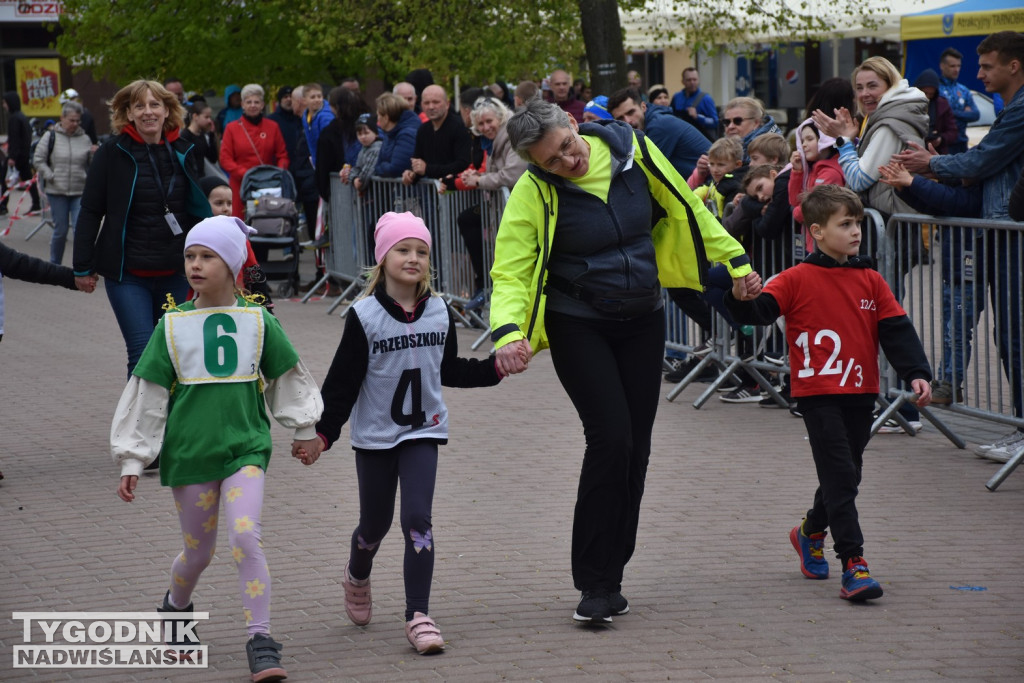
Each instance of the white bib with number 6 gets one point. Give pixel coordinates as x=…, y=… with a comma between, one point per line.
x=222, y=344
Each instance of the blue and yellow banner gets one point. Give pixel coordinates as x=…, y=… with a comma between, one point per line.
x=961, y=24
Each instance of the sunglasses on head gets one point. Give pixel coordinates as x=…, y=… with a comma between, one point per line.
x=739, y=120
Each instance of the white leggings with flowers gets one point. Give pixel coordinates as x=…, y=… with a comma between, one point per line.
x=198, y=505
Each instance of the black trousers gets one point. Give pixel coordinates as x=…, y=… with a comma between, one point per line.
x=838, y=435
x=471, y=228
x=611, y=370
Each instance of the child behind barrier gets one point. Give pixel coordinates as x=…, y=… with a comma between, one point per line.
x=714, y=181
x=838, y=309
x=814, y=163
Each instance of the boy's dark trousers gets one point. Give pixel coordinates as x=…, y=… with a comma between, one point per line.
x=838, y=435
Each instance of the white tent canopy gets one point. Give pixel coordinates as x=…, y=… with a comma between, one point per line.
x=642, y=27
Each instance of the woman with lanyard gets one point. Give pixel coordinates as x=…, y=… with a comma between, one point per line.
x=143, y=190
x=251, y=141
x=579, y=267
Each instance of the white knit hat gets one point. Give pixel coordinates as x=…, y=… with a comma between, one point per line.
x=225, y=235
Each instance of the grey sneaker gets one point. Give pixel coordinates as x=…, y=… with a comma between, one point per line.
x=1004, y=454
x=1012, y=439
x=943, y=395
x=264, y=655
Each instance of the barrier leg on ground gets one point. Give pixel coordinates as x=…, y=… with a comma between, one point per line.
x=315, y=288
x=1004, y=471
x=891, y=410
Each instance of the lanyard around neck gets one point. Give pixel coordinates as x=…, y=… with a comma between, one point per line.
x=159, y=179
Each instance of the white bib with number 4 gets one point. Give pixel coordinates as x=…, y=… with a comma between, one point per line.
x=222, y=344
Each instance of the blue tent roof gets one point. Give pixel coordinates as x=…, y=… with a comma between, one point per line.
x=971, y=6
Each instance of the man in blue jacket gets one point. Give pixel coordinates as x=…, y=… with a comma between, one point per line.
x=997, y=162
x=959, y=96
x=679, y=141
x=695, y=106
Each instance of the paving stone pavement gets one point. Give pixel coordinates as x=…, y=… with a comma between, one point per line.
x=714, y=587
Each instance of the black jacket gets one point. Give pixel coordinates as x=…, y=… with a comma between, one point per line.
x=111, y=196
x=446, y=150
x=330, y=156
x=19, y=132
x=1016, y=207
x=19, y=266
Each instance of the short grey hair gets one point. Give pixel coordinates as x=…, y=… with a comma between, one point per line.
x=491, y=104
x=71, y=107
x=253, y=89
x=533, y=121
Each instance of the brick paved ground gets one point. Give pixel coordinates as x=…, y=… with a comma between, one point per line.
x=714, y=587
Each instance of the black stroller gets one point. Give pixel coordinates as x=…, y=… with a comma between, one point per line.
x=269, y=196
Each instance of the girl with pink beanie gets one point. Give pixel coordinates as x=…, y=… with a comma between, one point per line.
x=398, y=348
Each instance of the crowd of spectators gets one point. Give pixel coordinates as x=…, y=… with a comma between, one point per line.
x=874, y=133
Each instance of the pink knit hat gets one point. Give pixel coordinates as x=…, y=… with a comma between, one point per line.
x=393, y=227
x=226, y=235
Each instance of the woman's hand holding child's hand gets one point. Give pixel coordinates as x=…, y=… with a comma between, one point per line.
x=747, y=287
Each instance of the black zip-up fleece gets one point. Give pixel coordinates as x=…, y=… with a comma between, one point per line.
x=605, y=248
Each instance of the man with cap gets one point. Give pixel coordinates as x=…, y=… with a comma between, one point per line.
x=682, y=143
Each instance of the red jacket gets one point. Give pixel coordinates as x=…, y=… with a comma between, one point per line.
x=823, y=172
x=247, y=145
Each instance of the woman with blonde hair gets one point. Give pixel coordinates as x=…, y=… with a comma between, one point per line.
x=143, y=189
x=895, y=114
x=502, y=168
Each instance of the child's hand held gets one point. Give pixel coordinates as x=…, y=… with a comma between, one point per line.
x=126, y=489
x=923, y=389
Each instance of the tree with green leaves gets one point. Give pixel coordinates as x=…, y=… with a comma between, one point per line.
x=206, y=44
x=211, y=44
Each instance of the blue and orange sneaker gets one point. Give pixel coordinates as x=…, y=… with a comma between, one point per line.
x=812, y=552
x=857, y=582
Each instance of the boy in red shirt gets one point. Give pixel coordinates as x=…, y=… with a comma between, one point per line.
x=837, y=311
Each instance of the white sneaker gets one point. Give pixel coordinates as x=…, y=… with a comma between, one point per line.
x=1007, y=441
x=891, y=426
x=1005, y=454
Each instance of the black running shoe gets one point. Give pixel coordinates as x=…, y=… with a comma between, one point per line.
x=594, y=608
x=617, y=603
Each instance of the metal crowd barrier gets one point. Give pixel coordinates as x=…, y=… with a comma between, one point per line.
x=351, y=220
x=959, y=280
x=769, y=258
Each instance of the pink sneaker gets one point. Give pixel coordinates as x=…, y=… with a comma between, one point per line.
x=358, y=603
x=423, y=634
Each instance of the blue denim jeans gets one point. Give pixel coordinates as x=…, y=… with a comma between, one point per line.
x=962, y=305
x=138, y=304
x=64, y=211
x=1006, y=254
